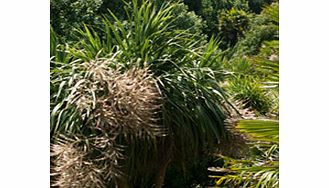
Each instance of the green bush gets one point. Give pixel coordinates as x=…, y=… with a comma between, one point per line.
x=250, y=93
x=264, y=27
x=232, y=24
x=187, y=20
x=68, y=14
x=209, y=10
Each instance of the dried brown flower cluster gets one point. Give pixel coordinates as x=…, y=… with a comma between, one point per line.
x=84, y=162
x=127, y=102
x=115, y=102
x=133, y=103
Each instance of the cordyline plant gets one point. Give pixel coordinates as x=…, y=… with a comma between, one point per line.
x=133, y=96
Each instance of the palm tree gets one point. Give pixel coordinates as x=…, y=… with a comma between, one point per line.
x=134, y=96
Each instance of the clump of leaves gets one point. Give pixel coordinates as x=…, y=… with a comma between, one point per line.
x=211, y=9
x=232, y=24
x=184, y=19
x=250, y=94
x=263, y=27
x=68, y=14
x=261, y=168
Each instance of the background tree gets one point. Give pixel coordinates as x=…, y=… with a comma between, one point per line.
x=232, y=24
x=66, y=15
x=264, y=27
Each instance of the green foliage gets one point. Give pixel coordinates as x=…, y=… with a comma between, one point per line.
x=241, y=67
x=232, y=24
x=271, y=12
x=269, y=48
x=116, y=6
x=260, y=130
x=186, y=20
x=250, y=93
x=253, y=76
x=253, y=82
x=98, y=46
x=212, y=9
x=68, y=14
x=53, y=42
x=261, y=169
x=264, y=27
x=187, y=73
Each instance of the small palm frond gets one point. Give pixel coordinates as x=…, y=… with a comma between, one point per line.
x=261, y=170
x=262, y=130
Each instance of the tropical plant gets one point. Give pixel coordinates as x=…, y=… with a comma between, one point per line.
x=232, y=24
x=254, y=79
x=261, y=170
x=142, y=85
x=248, y=91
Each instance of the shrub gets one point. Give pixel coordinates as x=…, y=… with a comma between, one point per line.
x=68, y=14
x=232, y=24
x=250, y=93
x=264, y=27
x=99, y=92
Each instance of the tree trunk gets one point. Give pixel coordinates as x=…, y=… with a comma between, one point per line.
x=122, y=183
x=165, y=157
x=159, y=181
